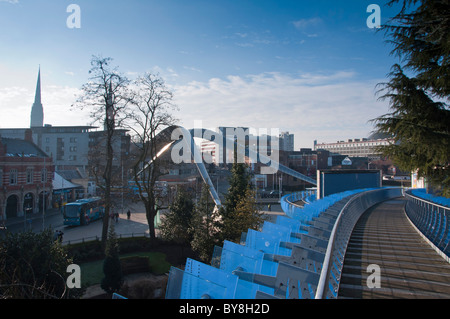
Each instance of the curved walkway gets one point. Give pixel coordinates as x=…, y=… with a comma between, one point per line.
x=409, y=267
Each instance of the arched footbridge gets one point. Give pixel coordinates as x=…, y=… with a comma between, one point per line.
x=181, y=143
x=369, y=243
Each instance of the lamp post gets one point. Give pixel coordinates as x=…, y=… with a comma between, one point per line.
x=24, y=210
x=281, y=186
x=43, y=196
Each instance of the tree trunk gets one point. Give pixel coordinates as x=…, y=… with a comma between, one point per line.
x=150, y=212
x=107, y=177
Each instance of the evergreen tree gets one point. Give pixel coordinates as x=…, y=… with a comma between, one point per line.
x=421, y=38
x=240, y=211
x=420, y=117
x=245, y=216
x=239, y=182
x=204, y=230
x=33, y=266
x=176, y=223
x=112, y=269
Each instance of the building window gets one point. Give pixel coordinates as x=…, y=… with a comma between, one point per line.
x=30, y=173
x=13, y=177
x=1, y=177
x=44, y=175
x=73, y=148
x=73, y=140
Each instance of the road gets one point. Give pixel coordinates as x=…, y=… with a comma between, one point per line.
x=136, y=226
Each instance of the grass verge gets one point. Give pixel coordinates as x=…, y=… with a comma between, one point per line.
x=92, y=272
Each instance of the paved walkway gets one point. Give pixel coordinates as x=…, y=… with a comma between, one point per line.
x=136, y=226
x=409, y=267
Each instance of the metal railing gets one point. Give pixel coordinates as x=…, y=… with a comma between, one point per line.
x=432, y=220
x=290, y=200
x=328, y=285
x=97, y=238
x=297, y=256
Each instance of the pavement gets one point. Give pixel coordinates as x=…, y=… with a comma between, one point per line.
x=21, y=221
x=135, y=226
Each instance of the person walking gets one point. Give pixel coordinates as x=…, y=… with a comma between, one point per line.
x=128, y=214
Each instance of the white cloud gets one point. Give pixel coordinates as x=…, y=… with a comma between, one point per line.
x=191, y=68
x=312, y=106
x=12, y=106
x=304, y=23
x=16, y=103
x=326, y=107
x=57, y=103
x=10, y=1
x=241, y=35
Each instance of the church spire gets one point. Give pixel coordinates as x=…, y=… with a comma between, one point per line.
x=37, y=110
x=37, y=97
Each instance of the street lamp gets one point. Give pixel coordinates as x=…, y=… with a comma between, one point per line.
x=43, y=196
x=281, y=186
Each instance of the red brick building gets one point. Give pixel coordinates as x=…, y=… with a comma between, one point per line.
x=26, y=175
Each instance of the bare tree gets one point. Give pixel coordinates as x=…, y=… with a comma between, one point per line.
x=120, y=192
x=107, y=95
x=152, y=104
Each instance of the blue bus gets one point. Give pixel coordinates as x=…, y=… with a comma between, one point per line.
x=83, y=211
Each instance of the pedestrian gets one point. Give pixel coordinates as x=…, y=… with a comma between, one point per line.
x=128, y=214
x=60, y=236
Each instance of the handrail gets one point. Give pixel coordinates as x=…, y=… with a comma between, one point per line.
x=292, y=198
x=432, y=221
x=317, y=241
x=96, y=238
x=343, y=227
x=408, y=194
x=327, y=259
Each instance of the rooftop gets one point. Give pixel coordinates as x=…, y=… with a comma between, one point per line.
x=20, y=148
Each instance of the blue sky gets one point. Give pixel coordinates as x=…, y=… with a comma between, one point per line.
x=308, y=67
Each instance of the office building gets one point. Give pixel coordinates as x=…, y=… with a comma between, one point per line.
x=286, y=141
x=365, y=147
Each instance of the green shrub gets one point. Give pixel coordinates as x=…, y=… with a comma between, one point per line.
x=85, y=252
